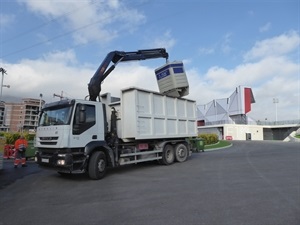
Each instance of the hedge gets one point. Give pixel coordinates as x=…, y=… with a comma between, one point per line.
x=12, y=137
x=209, y=138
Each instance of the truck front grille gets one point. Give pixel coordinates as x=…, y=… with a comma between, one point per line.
x=48, y=140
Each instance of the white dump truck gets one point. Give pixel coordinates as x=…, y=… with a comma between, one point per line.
x=89, y=136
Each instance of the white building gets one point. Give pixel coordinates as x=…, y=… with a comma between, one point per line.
x=227, y=117
x=231, y=110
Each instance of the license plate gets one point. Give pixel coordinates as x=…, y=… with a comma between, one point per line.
x=45, y=160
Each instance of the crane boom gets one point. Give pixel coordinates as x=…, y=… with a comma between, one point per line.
x=115, y=57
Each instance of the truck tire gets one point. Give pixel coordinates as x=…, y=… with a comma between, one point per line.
x=97, y=165
x=168, y=155
x=181, y=152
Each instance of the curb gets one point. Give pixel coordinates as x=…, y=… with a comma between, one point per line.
x=213, y=149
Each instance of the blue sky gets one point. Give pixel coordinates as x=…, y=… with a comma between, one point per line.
x=56, y=46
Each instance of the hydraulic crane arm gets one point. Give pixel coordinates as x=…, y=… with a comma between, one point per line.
x=115, y=57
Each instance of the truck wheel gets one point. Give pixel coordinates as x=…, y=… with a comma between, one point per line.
x=181, y=152
x=168, y=155
x=97, y=165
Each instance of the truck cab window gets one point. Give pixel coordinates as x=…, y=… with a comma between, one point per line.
x=56, y=116
x=87, y=112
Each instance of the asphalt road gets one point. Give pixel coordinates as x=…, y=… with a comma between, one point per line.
x=250, y=183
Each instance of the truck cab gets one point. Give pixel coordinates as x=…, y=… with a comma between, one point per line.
x=67, y=132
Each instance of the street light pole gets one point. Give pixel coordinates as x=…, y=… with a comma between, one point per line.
x=275, y=101
x=3, y=71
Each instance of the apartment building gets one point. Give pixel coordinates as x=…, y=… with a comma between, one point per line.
x=22, y=116
x=2, y=113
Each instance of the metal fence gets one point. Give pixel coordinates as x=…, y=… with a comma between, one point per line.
x=266, y=123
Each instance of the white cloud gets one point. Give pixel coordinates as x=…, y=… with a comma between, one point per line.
x=251, y=13
x=6, y=20
x=275, y=73
x=89, y=20
x=206, y=51
x=65, y=57
x=265, y=27
x=128, y=75
x=226, y=41
x=286, y=89
x=251, y=73
x=58, y=71
x=55, y=72
x=269, y=77
x=223, y=45
x=166, y=41
x=276, y=46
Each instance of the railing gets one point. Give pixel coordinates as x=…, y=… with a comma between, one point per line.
x=283, y=122
x=267, y=123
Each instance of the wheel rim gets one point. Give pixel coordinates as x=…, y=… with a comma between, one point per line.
x=169, y=155
x=181, y=153
x=101, y=165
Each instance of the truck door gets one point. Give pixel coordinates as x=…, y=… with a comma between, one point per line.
x=85, y=125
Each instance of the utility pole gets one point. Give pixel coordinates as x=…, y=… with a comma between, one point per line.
x=60, y=96
x=40, y=106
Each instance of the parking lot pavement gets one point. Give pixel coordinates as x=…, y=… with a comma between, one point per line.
x=9, y=174
x=251, y=183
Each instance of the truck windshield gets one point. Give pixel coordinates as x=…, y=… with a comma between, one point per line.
x=56, y=116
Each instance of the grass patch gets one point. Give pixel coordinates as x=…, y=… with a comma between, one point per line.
x=297, y=136
x=220, y=144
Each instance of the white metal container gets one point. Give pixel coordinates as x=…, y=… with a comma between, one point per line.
x=146, y=114
x=172, y=80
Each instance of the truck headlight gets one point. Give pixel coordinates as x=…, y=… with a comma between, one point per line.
x=61, y=162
